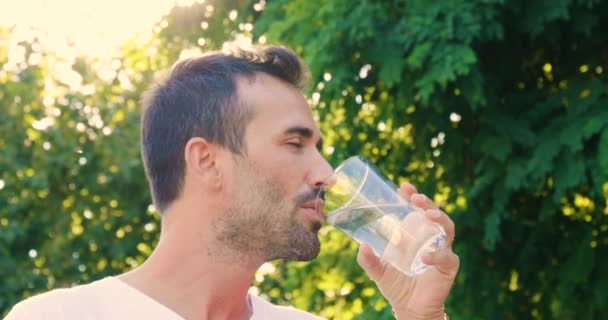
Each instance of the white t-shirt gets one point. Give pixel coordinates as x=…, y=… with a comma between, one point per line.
x=111, y=298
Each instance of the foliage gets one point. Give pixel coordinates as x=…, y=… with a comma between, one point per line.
x=496, y=109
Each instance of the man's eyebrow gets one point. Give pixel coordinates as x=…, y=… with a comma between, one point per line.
x=303, y=131
x=306, y=133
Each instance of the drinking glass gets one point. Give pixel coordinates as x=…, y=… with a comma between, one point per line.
x=367, y=206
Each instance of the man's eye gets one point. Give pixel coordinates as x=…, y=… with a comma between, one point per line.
x=296, y=144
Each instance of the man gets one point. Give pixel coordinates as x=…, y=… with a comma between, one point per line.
x=232, y=154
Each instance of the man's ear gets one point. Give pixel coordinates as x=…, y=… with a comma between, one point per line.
x=200, y=162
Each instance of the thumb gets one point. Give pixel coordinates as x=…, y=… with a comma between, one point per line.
x=373, y=265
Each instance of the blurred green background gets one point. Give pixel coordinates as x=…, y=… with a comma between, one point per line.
x=498, y=110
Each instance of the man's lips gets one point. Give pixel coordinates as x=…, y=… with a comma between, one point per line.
x=315, y=207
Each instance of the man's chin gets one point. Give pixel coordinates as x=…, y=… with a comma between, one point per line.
x=312, y=250
x=305, y=256
x=304, y=249
x=297, y=255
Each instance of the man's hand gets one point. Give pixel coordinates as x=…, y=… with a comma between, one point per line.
x=421, y=296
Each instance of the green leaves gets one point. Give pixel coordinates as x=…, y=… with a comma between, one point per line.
x=492, y=227
x=602, y=154
x=444, y=67
x=577, y=268
x=496, y=147
x=419, y=55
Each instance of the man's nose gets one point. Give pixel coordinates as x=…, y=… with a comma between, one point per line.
x=323, y=175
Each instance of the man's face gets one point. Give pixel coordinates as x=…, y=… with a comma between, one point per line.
x=272, y=188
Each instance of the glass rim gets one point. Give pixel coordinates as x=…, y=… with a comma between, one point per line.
x=369, y=167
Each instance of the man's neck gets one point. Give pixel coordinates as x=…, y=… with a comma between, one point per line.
x=186, y=276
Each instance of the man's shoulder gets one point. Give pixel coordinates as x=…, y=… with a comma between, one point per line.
x=263, y=309
x=42, y=306
x=50, y=305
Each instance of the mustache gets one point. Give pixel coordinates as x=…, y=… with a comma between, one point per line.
x=313, y=194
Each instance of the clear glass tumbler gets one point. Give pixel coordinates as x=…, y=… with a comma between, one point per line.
x=368, y=207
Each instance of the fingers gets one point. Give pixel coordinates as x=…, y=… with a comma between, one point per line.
x=418, y=199
x=446, y=261
x=422, y=201
x=431, y=210
x=407, y=189
x=443, y=220
x=373, y=266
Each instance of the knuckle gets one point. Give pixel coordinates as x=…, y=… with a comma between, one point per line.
x=451, y=225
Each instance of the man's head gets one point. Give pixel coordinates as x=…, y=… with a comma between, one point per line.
x=233, y=130
x=199, y=99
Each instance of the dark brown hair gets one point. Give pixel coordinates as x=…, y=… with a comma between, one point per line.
x=198, y=98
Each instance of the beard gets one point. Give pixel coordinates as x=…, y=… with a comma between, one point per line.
x=261, y=222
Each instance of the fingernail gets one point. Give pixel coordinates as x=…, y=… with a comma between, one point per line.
x=422, y=197
x=363, y=262
x=396, y=238
x=435, y=213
